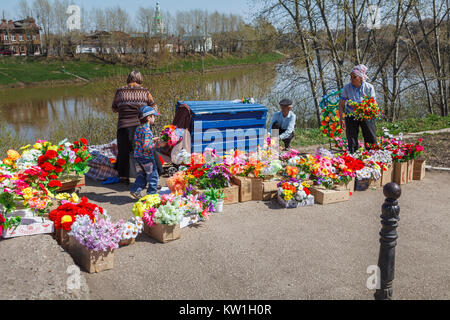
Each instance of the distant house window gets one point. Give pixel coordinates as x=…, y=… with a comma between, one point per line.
x=5, y=37
x=29, y=37
x=13, y=38
x=20, y=37
x=34, y=37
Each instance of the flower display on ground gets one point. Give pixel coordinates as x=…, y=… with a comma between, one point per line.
x=293, y=189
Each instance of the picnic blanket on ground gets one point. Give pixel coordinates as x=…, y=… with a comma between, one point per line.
x=102, y=163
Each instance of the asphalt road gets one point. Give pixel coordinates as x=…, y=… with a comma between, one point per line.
x=256, y=250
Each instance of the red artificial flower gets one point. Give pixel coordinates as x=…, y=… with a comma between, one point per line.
x=48, y=167
x=61, y=162
x=55, y=183
x=78, y=160
x=42, y=159
x=83, y=141
x=53, y=176
x=76, y=150
x=58, y=169
x=51, y=154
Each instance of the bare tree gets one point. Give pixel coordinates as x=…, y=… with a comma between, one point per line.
x=44, y=17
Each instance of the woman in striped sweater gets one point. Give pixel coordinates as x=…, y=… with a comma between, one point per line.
x=127, y=103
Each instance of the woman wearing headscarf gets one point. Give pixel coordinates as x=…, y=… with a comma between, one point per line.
x=355, y=91
x=127, y=103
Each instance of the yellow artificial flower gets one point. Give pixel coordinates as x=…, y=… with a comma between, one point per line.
x=54, y=148
x=27, y=193
x=66, y=218
x=37, y=146
x=306, y=185
x=74, y=198
x=49, y=193
x=25, y=147
x=62, y=196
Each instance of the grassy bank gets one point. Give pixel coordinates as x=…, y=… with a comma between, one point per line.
x=25, y=70
x=309, y=137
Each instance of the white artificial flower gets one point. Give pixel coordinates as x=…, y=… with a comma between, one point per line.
x=126, y=235
x=134, y=232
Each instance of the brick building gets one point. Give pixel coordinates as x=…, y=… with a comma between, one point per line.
x=21, y=37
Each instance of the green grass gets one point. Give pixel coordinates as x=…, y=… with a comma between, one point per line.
x=431, y=122
x=34, y=70
x=313, y=136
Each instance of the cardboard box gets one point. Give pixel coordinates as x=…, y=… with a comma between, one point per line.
x=387, y=176
x=163, y=232
x=264, y=190
x=245, y=188
x=419, y=169
x=29, y=227
x=326, y=196
x=401, y=173
x=350, y=186
x=410, y=170
x=63, y=238
x=231, y=194
x=91, y=261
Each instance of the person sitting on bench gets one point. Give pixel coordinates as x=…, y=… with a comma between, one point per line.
x=284, y=121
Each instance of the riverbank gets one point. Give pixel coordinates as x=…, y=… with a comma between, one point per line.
x=39, y=71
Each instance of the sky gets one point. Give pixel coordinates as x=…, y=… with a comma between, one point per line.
x=242, y=7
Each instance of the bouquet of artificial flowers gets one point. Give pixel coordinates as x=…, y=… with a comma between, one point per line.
x=172, y=135
x=366, y=110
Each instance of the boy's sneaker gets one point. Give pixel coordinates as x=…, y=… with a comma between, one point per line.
x=136, y=195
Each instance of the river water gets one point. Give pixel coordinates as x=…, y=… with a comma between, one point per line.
x=31, y=112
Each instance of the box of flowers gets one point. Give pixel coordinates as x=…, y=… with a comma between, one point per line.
x=130, y=231
x=197, y=207
x=293, y=193
x=163, y=217
x=24, y=201
x=415, y=151
x=65, y=215
x=369, y=176
x=217, y=176
x=92, y=242
x=64, y=165
x=330, y=174
x=400, y=157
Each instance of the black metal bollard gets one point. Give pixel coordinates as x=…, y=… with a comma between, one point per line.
x=388, y=240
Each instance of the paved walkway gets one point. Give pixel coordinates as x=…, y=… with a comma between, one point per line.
x=256, y=250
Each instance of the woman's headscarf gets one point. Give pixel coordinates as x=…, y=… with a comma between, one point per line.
x=360, y=70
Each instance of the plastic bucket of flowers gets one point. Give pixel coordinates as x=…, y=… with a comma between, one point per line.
x=293, y=194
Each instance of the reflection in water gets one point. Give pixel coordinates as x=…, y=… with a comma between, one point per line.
x=32, y=111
